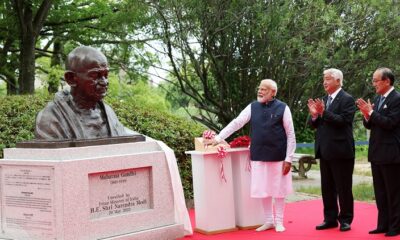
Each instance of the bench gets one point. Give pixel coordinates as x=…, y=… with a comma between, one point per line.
x=303, y=162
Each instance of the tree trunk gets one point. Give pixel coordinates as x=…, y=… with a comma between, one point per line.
x=26, y=79
x=58, y=49
x=30, y=24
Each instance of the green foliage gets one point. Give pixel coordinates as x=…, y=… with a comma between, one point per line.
x=52, y=74
x=18, y=117
x=117, y=27
x=304, y=133
x=220, y=50
x=54, y=79
x=140, y=93
x=3, y=90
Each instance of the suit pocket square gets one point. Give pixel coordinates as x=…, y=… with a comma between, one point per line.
x=384, y=106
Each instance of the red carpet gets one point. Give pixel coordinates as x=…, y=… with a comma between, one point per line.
x=300, y=221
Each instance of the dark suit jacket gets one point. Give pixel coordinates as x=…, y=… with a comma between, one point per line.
x=384, y=141
x=334, y=137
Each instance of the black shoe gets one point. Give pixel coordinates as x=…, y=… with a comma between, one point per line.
x=326, y=225
x=344, y=227
x=391, y=234
x=378, y=230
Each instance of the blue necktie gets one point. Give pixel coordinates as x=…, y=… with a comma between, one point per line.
x=328, y=103
x=381, y=100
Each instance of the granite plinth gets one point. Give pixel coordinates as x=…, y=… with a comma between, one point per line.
x=119, y=191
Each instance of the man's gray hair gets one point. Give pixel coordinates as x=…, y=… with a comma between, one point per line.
x=335, y=73
x=271, y=84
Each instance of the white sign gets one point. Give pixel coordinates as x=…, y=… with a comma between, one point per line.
x=27, y=195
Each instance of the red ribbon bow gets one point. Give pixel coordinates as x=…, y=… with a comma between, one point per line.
x=208, y=134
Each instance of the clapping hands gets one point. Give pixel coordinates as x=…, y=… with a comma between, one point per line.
x=315, y=107
x=365, y=107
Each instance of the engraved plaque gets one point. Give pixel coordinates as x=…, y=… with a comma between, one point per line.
x=27, y=195
x=120, y=192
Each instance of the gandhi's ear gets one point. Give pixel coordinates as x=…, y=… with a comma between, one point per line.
x=70, y=78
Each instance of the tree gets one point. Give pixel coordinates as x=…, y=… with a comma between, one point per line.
x=30, y=18
x=52, y=28
x=229, y=46
x=8, y=42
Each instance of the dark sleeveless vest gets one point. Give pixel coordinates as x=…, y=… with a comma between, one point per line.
x=268, y=136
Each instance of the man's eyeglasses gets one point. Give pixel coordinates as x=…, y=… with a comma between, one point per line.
x=377, y=80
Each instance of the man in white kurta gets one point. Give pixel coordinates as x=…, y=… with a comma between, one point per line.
x=270, y=178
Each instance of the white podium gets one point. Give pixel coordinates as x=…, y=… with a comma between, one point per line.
x=249, y=212
x=213, y=197
x=117, y=191
x=224, y=206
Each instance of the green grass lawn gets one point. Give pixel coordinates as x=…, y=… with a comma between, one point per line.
x=361, y=192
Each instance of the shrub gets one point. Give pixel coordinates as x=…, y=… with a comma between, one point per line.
x=18, y=118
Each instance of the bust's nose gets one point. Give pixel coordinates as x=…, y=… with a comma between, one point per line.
x=102, y=81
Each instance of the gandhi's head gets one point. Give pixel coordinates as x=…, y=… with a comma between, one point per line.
x=87, y=73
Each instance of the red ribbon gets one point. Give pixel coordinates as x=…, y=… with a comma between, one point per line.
x=221, y=155
x=248, y=163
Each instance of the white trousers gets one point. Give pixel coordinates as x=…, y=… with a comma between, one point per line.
x=279, y=204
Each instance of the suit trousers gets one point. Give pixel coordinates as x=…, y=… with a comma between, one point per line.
x=387, y=194
x=336, y=183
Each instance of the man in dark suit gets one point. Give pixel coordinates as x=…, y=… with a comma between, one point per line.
x=334, y=146
x=383, y=119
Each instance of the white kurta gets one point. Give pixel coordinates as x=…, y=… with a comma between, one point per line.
x=267, y=179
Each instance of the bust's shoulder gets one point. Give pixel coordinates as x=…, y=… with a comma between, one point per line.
x=62, y=96
x=53, y=107
x=108, y=108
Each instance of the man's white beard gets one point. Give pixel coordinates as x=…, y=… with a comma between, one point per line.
x=261, y=99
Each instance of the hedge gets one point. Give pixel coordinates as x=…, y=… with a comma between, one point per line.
x=18, y=114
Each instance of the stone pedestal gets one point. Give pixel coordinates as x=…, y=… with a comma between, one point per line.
x=118, y=192
x=249, y=212
x=213, y=196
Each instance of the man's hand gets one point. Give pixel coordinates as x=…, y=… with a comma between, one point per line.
x=320, y=106
x=312, y=109
x=286, y=167
x=215, y=142
x=315, y=107
x=365, y=107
